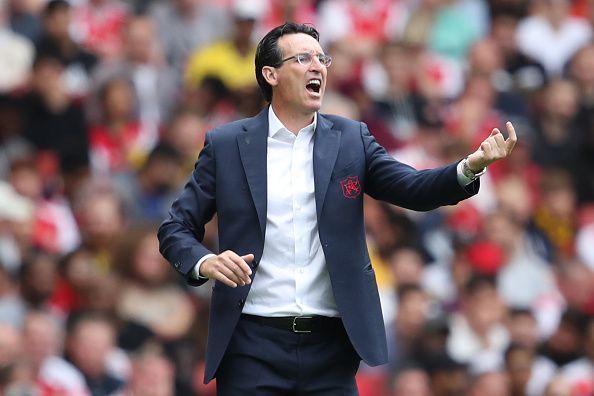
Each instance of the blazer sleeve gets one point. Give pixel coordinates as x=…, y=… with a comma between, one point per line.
x=390, y=180
x=181, y=234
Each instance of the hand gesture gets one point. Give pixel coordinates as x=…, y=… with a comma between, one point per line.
x=493, y=148
x=228, y=268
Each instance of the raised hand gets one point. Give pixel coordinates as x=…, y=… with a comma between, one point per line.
x=493, y=148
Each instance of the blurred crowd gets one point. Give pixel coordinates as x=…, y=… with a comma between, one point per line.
x=104, y=105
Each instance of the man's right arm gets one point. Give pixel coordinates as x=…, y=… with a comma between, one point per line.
x=181, y=234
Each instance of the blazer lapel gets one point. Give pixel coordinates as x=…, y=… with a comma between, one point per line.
x=325, y=152
x=252, y=149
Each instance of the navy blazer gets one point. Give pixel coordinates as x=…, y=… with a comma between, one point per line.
x=230, y=179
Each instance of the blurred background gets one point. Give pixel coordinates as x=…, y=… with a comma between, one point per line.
x=104, y=105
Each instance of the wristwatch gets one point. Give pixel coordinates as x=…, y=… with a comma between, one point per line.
x=469, y=173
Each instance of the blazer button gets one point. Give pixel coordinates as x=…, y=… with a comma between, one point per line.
x=177, y=264
x=241, y=303
x=254, y=264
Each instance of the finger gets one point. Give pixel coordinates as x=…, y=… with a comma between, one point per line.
x=486, y=148
x=494, y=132
x=512, y=139
x=500, y=145
x=241, y=261
x=247, y=259
x=234, y=272
x=223, y=279
x=227, y=270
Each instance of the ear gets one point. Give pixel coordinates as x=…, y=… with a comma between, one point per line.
x=270, y=74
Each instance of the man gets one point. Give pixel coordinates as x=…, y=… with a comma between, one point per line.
x=287, y=186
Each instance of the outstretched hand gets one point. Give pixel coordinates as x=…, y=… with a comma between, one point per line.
x=493, y=148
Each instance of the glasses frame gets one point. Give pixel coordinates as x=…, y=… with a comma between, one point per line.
x=305, y=59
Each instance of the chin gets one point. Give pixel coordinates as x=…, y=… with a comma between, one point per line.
x=314, y=106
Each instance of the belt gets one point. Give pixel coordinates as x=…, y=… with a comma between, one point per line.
x=297, y=324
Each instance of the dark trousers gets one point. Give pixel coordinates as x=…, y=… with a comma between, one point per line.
x=267, y=361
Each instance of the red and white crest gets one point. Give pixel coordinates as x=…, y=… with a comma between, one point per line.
x=351, y=188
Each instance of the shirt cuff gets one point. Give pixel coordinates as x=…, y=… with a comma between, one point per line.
x=196, y=271
x=463, y=180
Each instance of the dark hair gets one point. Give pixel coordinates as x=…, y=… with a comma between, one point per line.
x=269, y=54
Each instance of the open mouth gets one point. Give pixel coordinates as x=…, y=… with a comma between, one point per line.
x=313, y=86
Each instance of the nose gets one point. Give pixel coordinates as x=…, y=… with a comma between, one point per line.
x=316, y=64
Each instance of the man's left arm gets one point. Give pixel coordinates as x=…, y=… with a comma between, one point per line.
x=421, y=190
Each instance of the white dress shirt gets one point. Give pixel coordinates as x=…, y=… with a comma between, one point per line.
x=292, y=278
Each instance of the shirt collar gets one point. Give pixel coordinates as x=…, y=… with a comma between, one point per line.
x=275, y=125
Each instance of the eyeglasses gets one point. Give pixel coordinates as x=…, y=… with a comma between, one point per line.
x=305, y=58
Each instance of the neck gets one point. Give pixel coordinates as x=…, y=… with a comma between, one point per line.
x=294, y=122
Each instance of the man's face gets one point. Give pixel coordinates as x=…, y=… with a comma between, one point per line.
x=294, y=88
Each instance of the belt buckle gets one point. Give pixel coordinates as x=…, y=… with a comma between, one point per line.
x=295, y=330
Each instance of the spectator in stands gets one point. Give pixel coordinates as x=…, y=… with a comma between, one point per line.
x=101, y=221
x=116, y=139
x=232, y=59
x=91, y=339
x=397, y=103
x=552, y=36
x=12, y=144
x=25, y=18
x=521, y=73
x=152, y=375
x=528, y=372
x=42, y=336
x=186, y=26
x=155, y=83
x=185, y=133
x=55, y=229
x=557, y=134
x=150, y=295
x=478, y=336
x=53, y=122
x=55, y=40
x=16, y=228
x=448, y=377
x=38, y=280
x=98, y=25
x=556, y=213
x=281, y=11
x=579, y=373
x=12, y=305
x=16, y=55
x=403, y=332
x=15, y=376
x=411, y=381
x=147, y=194
x=565, y=344
x=523, y=261
x=364, y=25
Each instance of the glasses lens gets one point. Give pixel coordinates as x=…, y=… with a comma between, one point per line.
x=304, y=58
x=325, y=59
